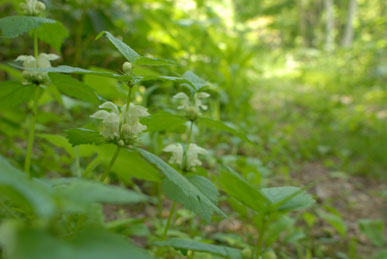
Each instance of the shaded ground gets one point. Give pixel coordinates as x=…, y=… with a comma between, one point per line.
x=353, y=197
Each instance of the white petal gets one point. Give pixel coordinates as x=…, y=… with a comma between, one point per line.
x=43, y=62
x=138, y=110
x=193, y=153
x=49, y=56
x=199, y=150
x=177, y=153
x=23, y=58
x=100, y=115
x=181, y=95
x=202, y=95
x=111, y=106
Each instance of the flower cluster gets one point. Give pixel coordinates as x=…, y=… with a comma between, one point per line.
x=121, y=125
x=192, y=153
x=33, y=7
x=192, y=108
x=43, y=61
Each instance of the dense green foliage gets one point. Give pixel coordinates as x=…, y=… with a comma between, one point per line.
x=175, y=129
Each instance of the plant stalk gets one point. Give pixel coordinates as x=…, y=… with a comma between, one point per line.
x=36, y=45
x=128, y=101
x=110, y=165
x=259, y=245
x=31, y=133
x=189, y=140
x=171, y=212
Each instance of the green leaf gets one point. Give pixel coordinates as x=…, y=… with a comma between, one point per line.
x=237, y=187
x=53, y=34
x=74, y=70
x=205, y=186
x=29, y=194
x=74, y=88
x=181, y=189
x=106, y=87
x=161, y=121
x=87, y=191
x=374, y=230
x=77, y=70
x=148, y=61
x=382, y=254
x=186, y=244
x=195, y=80
x=221, y=126
x=14, y=26
x=288, y=198
x=59, y=141
x=129, y=164
x=336, y=221
x=124, y=49
x=139, y=79
x=274, y=230
x=84, y=136
x=131, y=55
x=13, y=93
x=29, y=243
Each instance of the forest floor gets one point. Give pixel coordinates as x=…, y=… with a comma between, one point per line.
x=353, y=198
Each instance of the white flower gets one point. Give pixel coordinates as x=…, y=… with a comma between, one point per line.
x=134, y=112
x=184, y=100
x=192, y=155
x=116, y=122
x=33, y=7
x=192, y=109
x=43, y=61
x=110, y=120
x=177, y=153
x=198, y=101
x=132, y=126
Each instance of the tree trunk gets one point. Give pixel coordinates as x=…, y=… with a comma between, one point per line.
x=329, y=41
x=302, y=23
x=348, y=33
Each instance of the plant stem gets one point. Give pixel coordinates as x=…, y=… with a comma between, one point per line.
x=36, y=46
x=189, y=140
x=91, y=166
x=110, y=165
x=171, y=212
x=31, y=133
x=260, y=238
x=128, y=101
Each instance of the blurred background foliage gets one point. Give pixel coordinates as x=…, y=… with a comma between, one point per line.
x=306, y=80
x=314, y=72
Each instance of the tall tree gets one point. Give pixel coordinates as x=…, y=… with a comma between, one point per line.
x=348, y=33
x=329, y=40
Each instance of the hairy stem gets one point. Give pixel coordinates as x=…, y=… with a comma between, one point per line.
x=31, y=132
x=261, y=232
x=110, y=165
x=36, y=45
x=171, y=212
x=128, y=101
x=189, y=140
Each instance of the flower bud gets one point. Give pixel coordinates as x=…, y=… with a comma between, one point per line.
x=24, y=7
x=39, y=7
x=126, y=130
x=121, y=143
x=192, y=113
x=127, y=67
